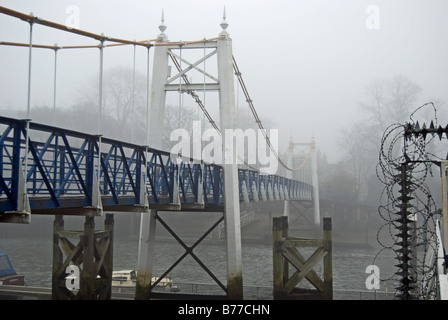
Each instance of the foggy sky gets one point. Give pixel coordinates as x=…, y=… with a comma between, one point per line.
x=306, y=63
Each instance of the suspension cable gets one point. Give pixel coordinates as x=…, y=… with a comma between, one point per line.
x=257, y=118
x=195, y=95
x=252, y=108
x=147, y=43
x=102, y=38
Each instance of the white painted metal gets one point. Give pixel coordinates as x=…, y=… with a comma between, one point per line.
x=245, y=192
x=444, y=167
x=96, y=195
x=156, y=115
x=263, y=192
x=28, y=105
x=280, y=192
x=146, y=248
x=200, y=188
x=255, y=191
x=270, y=194
x=192, y=86
x=23, y=203
x=289, y=174
x=315, y=183
x=192, y=66
x=441, y=271
x=195, y=45
x=276, y=193
x=158, y=95
x=225, y=86
x=227, y=111
x=55, y=82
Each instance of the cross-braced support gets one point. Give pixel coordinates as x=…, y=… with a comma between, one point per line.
x=223, y=83
x=146, y=282
x=285, y=252
x=82, y=270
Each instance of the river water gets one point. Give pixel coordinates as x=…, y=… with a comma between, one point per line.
x=33, y=258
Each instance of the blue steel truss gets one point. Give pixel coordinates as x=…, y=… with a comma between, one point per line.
x=62, y=171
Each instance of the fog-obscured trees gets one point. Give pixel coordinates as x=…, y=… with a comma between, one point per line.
x=387, y=101
x=123, y=111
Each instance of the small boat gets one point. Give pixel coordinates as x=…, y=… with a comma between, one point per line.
x=128, y=279
x=8, y=275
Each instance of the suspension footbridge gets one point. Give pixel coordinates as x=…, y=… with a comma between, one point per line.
x=46, y=169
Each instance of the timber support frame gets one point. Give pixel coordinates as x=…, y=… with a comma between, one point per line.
x=285, y=253
x=83, y=270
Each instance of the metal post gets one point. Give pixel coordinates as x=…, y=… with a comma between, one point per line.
x=145, y=254
x=28, y=106
x=315, y=182
x=444, y=167
x=158, y=94
x=133, y=98
x=289, y=174
x=96, y=195
x=231, y=205
x=413, y=272
x=54, y=85
x=100, y=89
x=155, y=117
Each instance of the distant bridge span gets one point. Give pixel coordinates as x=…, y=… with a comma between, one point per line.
x=65, y=175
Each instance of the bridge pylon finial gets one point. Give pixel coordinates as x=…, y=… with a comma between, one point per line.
x=162, y=26
x=224, y=24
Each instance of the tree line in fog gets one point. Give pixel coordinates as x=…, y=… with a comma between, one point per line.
x=352, y=178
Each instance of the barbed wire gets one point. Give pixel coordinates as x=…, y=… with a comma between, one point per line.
x=408, y=207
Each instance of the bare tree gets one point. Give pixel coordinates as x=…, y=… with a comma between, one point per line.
x=358, y=156
x=125, y=100
x=123, y=106
x=387, y=102
x=390, y=101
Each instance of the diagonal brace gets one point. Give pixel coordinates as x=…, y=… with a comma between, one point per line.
x=305, y=268
x=191, y=66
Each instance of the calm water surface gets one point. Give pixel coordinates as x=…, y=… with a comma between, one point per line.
x=33, y=258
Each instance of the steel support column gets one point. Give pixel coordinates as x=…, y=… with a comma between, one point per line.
x=315, y=183
x=155, y=120
x=289, y=175
x=444, y=171
x=145, y=254
x=227, y=110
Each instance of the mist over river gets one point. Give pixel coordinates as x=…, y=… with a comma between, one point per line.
x=33, y=258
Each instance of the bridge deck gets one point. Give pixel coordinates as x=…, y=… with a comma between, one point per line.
x=70, y=172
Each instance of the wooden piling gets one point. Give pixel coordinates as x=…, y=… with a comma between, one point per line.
x=88, y=276
x=279, y=224
x=92, y=257
x=285, y=252
x=328, y=259
x=58, y=226
x=106, y=273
